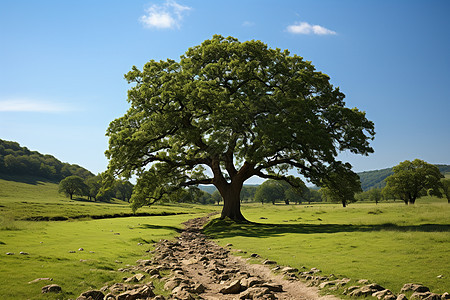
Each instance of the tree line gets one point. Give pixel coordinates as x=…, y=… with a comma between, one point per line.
x=92, y=188
x=17, y=160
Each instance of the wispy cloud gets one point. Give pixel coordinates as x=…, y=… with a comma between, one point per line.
x=28, y=105
x=306, y=28
x=166, y=16
x=248, y=24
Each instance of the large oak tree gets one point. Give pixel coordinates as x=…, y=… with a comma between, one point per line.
x=227, y=111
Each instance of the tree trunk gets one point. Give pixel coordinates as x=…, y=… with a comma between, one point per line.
x=344, y=203
x=232, y=202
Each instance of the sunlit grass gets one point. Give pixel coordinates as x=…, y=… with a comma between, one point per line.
x=390, y=244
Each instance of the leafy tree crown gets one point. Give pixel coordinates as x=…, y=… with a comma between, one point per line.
x=236, y=109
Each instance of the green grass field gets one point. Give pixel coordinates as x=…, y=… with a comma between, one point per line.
x=388, y=243
x=109, y=244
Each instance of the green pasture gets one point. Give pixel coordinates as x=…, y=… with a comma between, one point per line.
x=388, y=243
x=32, y=198
x=109, y=244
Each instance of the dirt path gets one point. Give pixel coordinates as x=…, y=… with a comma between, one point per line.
x=205, y=270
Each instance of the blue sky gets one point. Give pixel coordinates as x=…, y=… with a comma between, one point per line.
x=62, y=65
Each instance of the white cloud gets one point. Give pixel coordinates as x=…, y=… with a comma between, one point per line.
x=248, y=24
x=168, y=15
x=306, y=28
x=26, y=105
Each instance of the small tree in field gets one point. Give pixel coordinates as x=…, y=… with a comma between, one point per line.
x=73, y=185
x=412, y=180
x=446, y=188
x=375, y=195
x=341, y=188
x=239, y=110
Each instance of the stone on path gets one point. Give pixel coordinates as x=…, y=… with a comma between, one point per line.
x=92, y=295
x=233, y=288
x=142, y=292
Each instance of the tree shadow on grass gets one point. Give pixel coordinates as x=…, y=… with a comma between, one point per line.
x=225, y=228
x=33, y=180
x=151, y=226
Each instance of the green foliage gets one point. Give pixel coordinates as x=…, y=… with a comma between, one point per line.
x=73, y=185
x=341, y=186
x=124, y=190
x=241, y=109
x=415, y=179
x=17, y=160
x=375, y=195
x=376, y=178
x=270, y=191
x=273, y=191
x=446, y=188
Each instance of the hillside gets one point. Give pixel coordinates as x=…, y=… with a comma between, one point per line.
x=17, y=161
x=375, y=178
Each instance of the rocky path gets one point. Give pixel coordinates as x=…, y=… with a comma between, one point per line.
x=202, y=269
x=194, y=267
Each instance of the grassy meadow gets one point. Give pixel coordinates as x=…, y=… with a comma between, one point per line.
x=388, y=243
x=108, y=244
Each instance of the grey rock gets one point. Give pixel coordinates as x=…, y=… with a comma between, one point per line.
x=433, y=296
x=139, y=293
x=382, y=294
x=402, y=297
x=40, y=279
x=92, y=295
x=269, y=262
x=420, y=295
x=415, y=288
x=52, y=288
x=135, y=278
x=232, y=288
x=273, y=287
x=289, y=270
x=198, y=289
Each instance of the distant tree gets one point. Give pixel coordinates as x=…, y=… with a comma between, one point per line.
x=205, y=198
x=248, y=193
x=375, y=195
x=270, y=191
x=123, y=189
x=94, y=184
x=446, y=188
x=341, y=188
x=216, y=197
x=296, y=195
x=314, y=196
x=240, y=109
x=72, y=185
x=412, y=180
